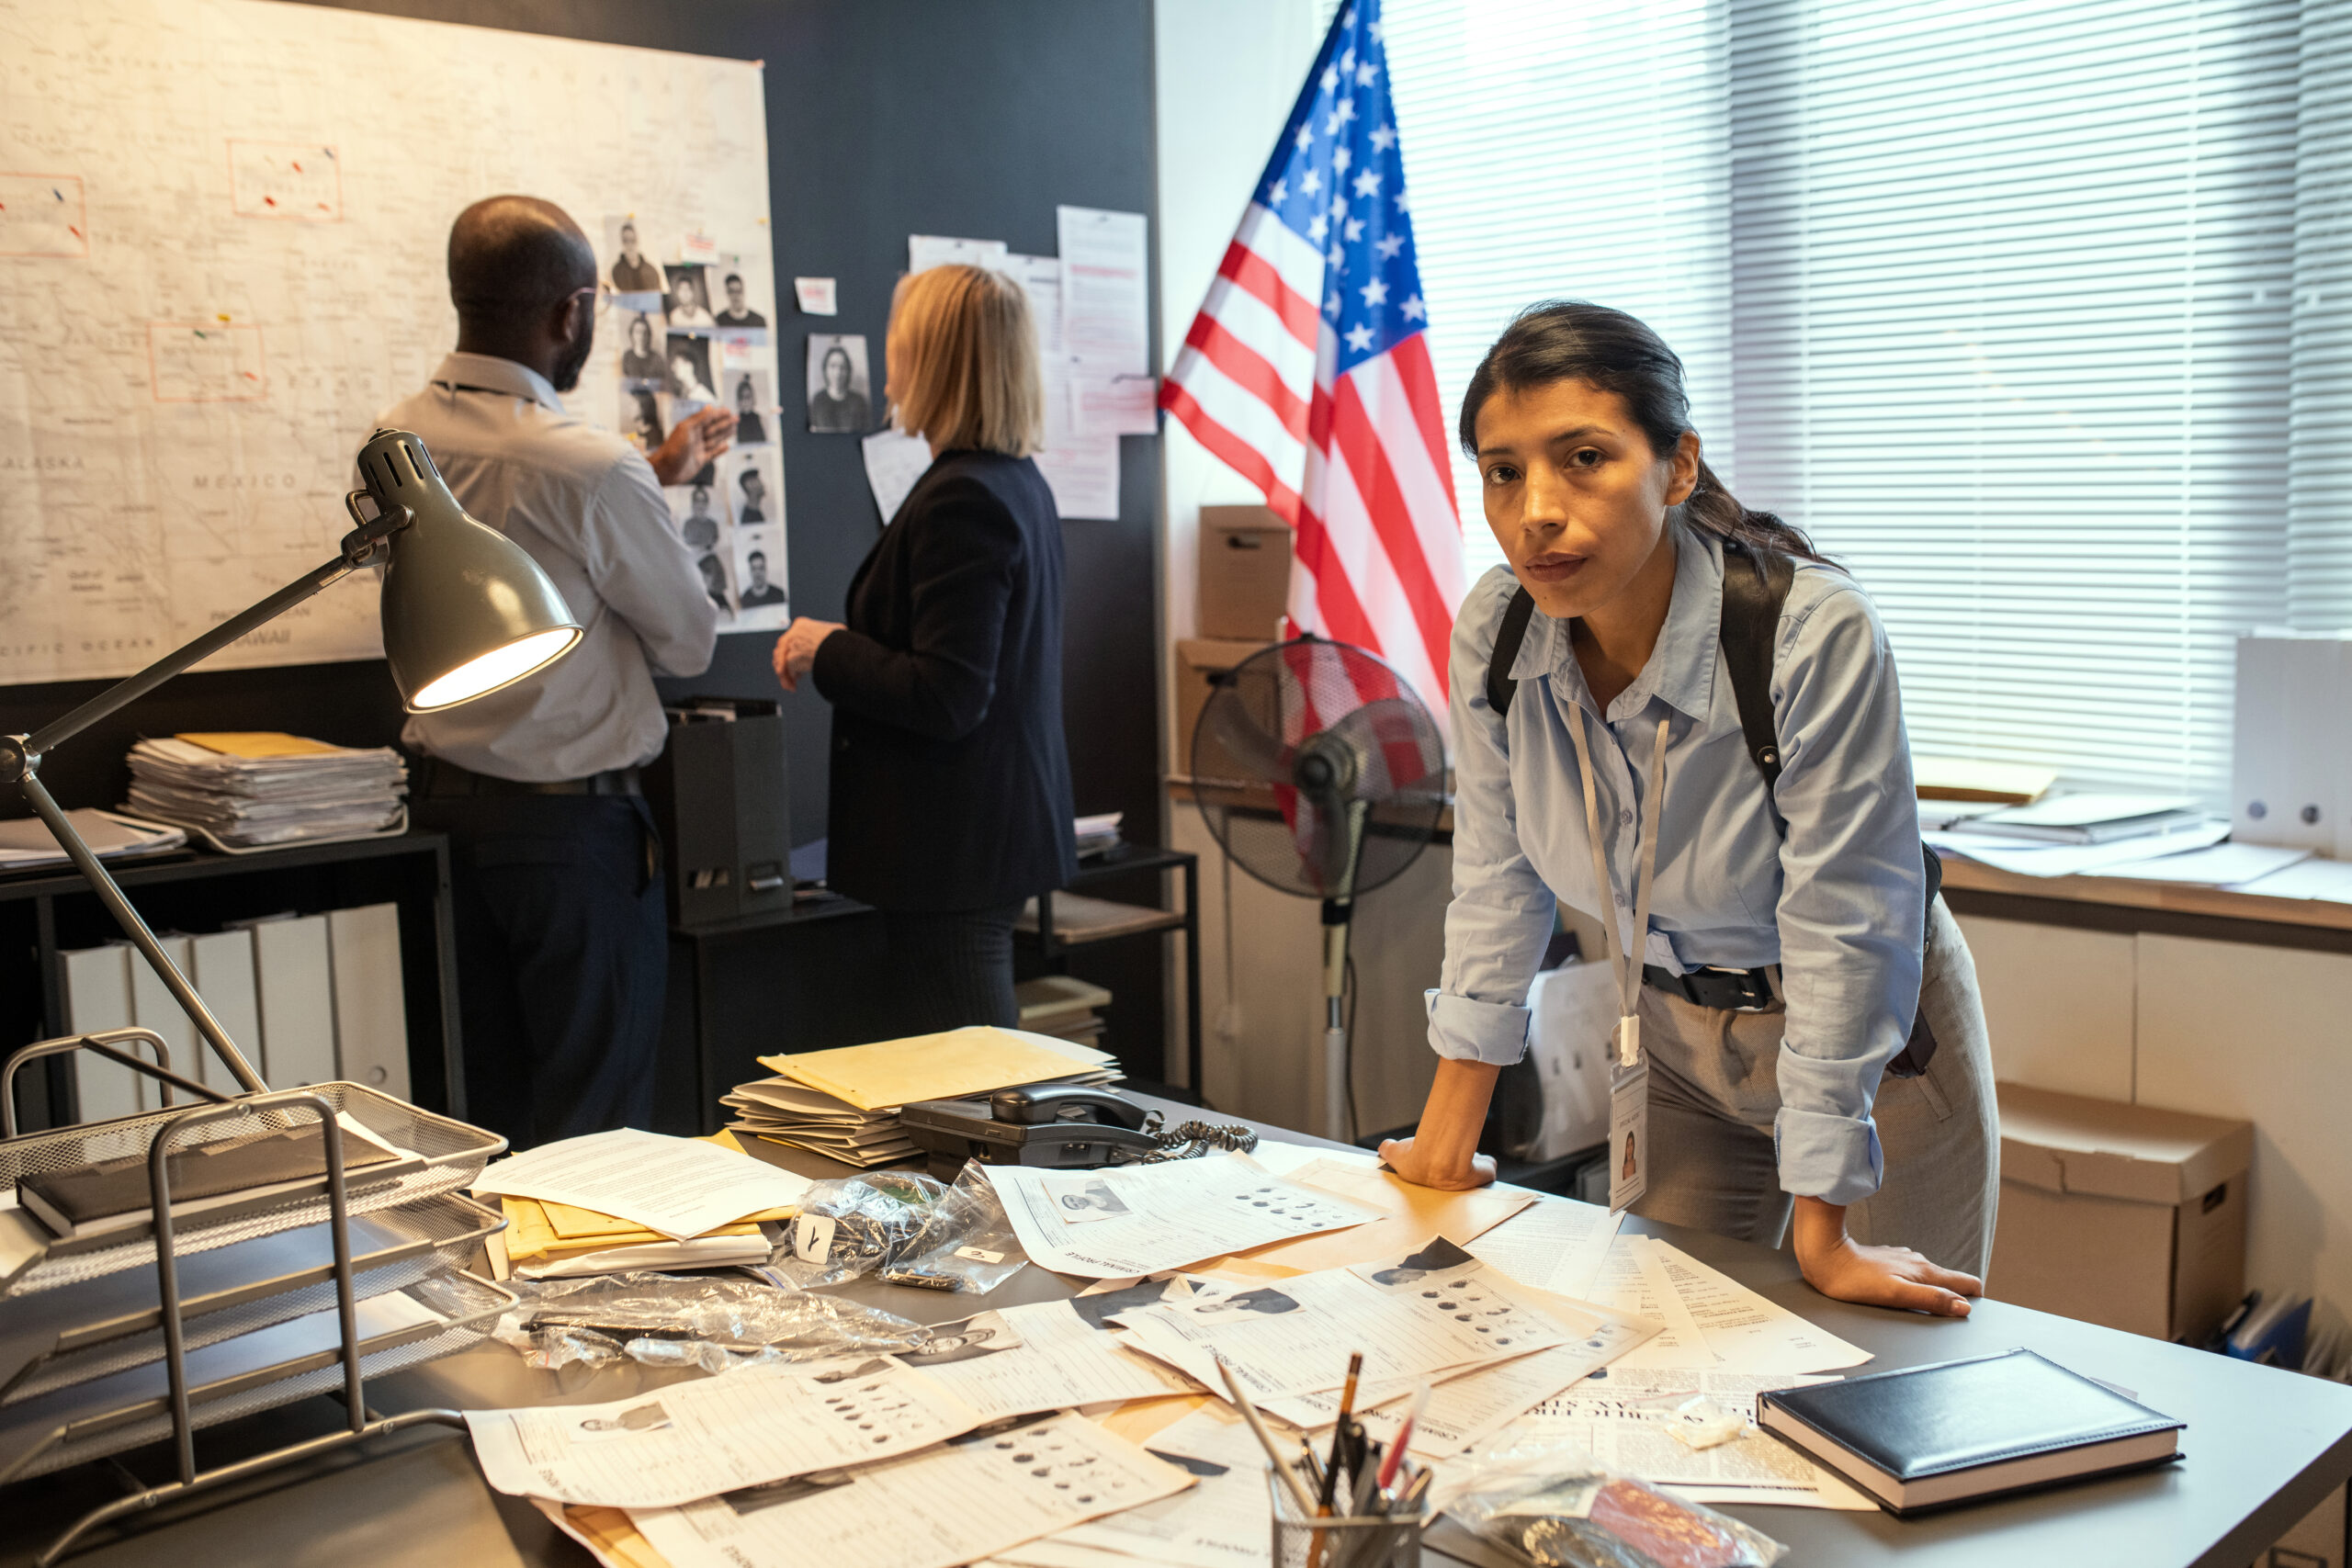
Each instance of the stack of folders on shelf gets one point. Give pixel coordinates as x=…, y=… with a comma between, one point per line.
x=1098, y=835
x=1062, y=1005
x=82, y=1368
x=844, y=1103
x=244, y=791
x=27, y=844
x=630, y=1184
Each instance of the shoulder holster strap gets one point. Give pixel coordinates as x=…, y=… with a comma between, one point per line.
x=1507, y=637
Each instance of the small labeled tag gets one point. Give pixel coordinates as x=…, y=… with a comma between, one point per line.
x=812, y=1237
x=1629, y=1136
x=979, y=1255
x=1629, y=1040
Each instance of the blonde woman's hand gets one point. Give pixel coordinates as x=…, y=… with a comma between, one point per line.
x=795, y=650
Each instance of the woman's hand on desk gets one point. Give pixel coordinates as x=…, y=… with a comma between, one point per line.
x=795, y=650
x=1844, y=1269
x=1443, y=1150
x=694, y=442
x=1413, y=1161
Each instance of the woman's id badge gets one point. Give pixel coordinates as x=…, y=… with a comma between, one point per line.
x=1629, y=1135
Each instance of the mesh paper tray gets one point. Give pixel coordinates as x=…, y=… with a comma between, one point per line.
x=104, y=1326
x=449, y=1155
x=134, y=1408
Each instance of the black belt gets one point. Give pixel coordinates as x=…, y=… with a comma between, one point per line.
x=1738, y=990
x=444, y=780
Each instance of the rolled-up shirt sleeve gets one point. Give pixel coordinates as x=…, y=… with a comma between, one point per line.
x=1853, y=890
x=1502, y=913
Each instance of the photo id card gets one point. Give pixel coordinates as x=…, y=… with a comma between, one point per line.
x=1629, y=1135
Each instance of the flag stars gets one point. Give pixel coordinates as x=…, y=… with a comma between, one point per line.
x=1346, y=111
x=1374, y=293
x=1311, y=184
x=1414, y=309
x=1353, y=229
x=1348, y=61
x=1368, y=183
x=1365, y=72
x=1340, y=159
x=1330, y=77
x=1389, y=245
x=1278, y=193
x=1331, y=305
x=1338, y=258
x=1359, y=339
x=1383, y=139
x=1376, y=31
x=1338, y=207
x=1316, y=227
x=1403, y=204
x=1306, y=137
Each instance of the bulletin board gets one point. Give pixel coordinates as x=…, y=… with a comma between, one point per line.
x=222, y=226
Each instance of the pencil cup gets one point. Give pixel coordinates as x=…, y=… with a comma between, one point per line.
x=1376, y=1541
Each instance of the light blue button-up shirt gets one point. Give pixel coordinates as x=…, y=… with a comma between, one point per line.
x=1830, y=888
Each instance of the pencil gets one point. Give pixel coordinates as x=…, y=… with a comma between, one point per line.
x=1404, y=1436
x=1338, y=1437
x=1265, y=1441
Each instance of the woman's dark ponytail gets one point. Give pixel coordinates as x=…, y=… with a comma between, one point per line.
x=1568, y=340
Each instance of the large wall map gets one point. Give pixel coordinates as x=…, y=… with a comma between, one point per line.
x=221, y=231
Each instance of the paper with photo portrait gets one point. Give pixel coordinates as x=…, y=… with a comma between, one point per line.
x=1412, y=1215
x=751, y=505
x=641, y=364
x=687, y=360
x=838, y=385
x=629, y=269
x=700, y=512
x=690, y=1440
x=1224, y=1520
x=1412, y=1318
x=957, y=1503
x=1045, y=1356
x=1179, y=1212
x=749, y=393
x=689, y=304
x=738, y=294
x=761, y=596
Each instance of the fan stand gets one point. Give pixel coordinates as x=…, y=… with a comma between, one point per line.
x=1337, y=910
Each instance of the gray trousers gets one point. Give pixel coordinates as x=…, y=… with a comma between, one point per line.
x=1714, y=1089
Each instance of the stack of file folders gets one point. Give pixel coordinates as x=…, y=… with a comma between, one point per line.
x=244, y=791
x=1062, y=1005
x=844, y=1103
x=82, y=1368
x=546, y=1239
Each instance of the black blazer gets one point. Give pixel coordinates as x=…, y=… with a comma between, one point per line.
x=950, y=773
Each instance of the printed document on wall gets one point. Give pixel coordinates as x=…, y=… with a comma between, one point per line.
x=1107, y=289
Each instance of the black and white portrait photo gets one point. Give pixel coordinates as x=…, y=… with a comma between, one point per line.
x=714, y=583
x=630, y=271
x=641, y=351
x=641, y=417
x=839, y=394
x=755, y=492
x=747, y=393
x=759, y=568
x=689, y=371
x=700, y=512
x=735, y=308
x=690, y=297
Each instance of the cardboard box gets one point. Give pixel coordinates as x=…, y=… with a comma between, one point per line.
x=2121, y=1214
x=1245, y=574
x=2317, y=1542
x=1198, y=660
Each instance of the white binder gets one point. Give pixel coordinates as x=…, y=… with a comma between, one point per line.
x=370, y=1018
x=222, y=964
x=97, y=996
x=152, y=1005
x=292, y=973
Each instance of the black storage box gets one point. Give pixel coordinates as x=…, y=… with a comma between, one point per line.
x=719, y=796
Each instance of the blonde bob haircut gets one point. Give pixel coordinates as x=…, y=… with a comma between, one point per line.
x=963, y=362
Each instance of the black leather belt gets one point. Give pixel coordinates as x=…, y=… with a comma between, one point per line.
x=442, y=779
x=1737, y=990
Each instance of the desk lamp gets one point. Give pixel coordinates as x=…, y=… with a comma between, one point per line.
x=466, y=612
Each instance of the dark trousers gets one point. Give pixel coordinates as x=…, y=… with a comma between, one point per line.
x=562, y=957
x=950, y=970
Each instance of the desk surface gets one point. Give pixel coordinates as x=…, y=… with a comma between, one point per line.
x=2263, y=1448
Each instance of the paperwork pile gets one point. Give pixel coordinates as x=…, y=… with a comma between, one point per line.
x=1062, y=1005
x=614, y=1201
x=844, y=1103
x=243, y=790
x=27, y=844
x=2076, y=835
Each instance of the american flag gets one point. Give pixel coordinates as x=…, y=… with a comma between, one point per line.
x=1308, y=370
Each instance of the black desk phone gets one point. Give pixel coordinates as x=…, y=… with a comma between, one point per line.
x=1058, y=1126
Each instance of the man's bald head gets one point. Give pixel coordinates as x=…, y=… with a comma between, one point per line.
x=514, y=258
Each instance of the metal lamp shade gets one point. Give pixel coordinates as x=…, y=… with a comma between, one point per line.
x=465, y=611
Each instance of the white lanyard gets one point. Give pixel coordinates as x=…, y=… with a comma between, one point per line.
x=1628, y=972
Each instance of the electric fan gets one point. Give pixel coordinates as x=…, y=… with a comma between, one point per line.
x=1321, y=774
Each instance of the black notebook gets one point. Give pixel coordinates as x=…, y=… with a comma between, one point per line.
x=1957, y=1431
x=114, y=1194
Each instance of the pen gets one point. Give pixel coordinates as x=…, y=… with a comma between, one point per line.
x=1298, y=1494
x=1404, y=1436
x=1339, y=1439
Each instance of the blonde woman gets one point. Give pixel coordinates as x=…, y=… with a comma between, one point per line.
x=951, y=795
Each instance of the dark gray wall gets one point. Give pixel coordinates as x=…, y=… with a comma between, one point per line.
x=885, y=118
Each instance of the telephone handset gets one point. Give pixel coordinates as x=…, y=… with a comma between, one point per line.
x=1058, y=1126
x=1065, y=1102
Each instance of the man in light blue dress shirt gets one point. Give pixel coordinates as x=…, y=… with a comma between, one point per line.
x=1812, y=886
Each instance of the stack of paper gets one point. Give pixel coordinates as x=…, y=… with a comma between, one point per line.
x=614, y=1201
x=27, y=844
x=1062, y=1005
x=1098, y=834
x=246, y=789
x=844, y=1103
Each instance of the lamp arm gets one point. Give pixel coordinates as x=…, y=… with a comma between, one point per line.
x=359, y=547
x=110, y=894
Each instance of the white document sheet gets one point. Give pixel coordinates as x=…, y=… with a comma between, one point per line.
x=691, y=1440
x=680, y=1187
x=894, y=461
x=2329, y=879
x=2223, y=865
x=1633, y=1280
x=1436, y=1309
x=2077, y=860
x=1558, y=1245
x=1225, y=1518
x=1041, y=279
x=1180, y=1213
x=1046, y=1356
x=1617, y=1415
x=955, y=1504
x=1747, y=1332
x=1114, y=405
x=1083, y=473
x=927, y=251
x=1106, y=296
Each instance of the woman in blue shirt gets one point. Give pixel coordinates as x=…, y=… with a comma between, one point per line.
x=1808, y=896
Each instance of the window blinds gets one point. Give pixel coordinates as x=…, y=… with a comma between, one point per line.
x=1576, y=151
